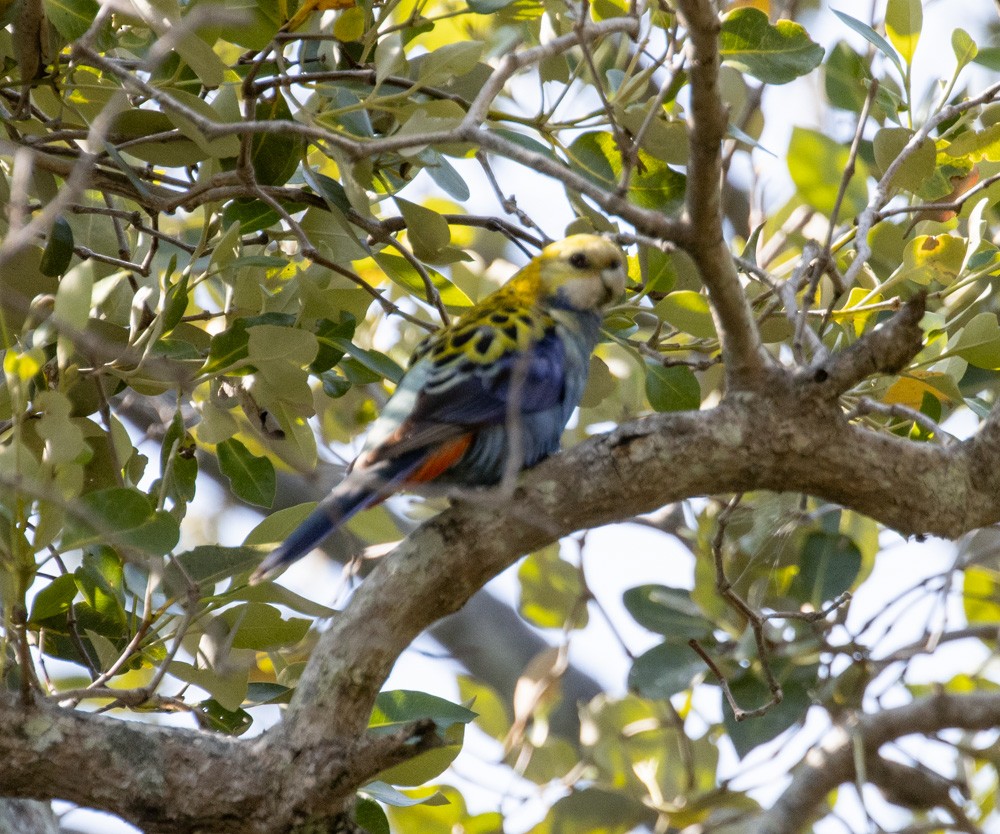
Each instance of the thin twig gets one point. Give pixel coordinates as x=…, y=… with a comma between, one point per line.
x=755, y=620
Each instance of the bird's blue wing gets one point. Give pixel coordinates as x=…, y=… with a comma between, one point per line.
x=470, y=393
x=441, y=399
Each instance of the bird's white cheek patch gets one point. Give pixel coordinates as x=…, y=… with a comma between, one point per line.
x=584, y=293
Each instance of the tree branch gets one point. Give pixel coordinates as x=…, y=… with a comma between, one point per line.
x=886, y=349
x=796, y=439
x=833, y=763
x=742, y=350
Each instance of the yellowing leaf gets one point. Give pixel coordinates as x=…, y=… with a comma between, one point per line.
x=858, y=318
x=977, y=145
x=934, y=258
x=903, y=19
x=910, y=390
x=350, y=26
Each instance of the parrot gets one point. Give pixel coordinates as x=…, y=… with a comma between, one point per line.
x=487, y=394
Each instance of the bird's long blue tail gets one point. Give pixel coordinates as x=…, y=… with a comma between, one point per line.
x=345, y=500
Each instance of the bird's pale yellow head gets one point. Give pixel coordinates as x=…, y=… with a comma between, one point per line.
x=581, y=272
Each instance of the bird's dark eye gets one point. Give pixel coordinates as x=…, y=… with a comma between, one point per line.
x=579, y=260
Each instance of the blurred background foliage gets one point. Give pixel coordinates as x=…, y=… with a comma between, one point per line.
x=229, y=223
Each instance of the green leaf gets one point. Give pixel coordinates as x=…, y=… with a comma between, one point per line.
x=873, y=37
x=100, y=581
x=977, y=145
x=226, y=685
x=276, y=527
x=916, y=169
x=58, y=249
x=665, y=670
x=774, y=54
x=329, y=189
x=402, y=272
x=207, y=564
x=689, y=312
x=63, y=435
x=227, y=348
x=72, y=18
x=750, y=693
x=845, y=75
x=401, y=707
x=594, y=811
x=231, y=722
x=274, y=343
x=72, y=307
x=989, y=57
x=275, y=594
x=658, y=271
x=368, y=813
x=378, y=363
x=444, y=175
x=251, y=478
x=527, y=142
x=54, y=599
x=252, y=215
x=426, y=230
x=447, y=62
x=817, y=164
x=398, y=707
x=122, y=517
x=653, y=184
x=489, y=6
x=667, y=611
x=178, y=463
x=929, y=258
x=829, y=564
x=220, y=148
x=964, y=47
x=274, y=155
x=903, y=19
x=492, y=716
x=388, y=795
x=672, y=389
x=329, y=354
x=978, y=343
x=258, y=626
x=331, y=234
x=552, y=593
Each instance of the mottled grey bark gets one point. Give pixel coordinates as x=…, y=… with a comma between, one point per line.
x=24, y=816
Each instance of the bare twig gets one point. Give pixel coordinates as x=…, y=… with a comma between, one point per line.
x=755, y=620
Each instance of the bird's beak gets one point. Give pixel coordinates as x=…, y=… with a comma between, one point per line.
x=613, y=281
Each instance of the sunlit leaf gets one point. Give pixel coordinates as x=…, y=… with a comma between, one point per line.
x=903, y=19
x=774, y=54
x=653, y=184
x=817, y=164
x=552, y=594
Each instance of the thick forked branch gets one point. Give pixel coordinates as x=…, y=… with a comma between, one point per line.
x=155, y=777
x=742, y=351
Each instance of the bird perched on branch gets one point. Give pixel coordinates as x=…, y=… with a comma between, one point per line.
x=486, y=396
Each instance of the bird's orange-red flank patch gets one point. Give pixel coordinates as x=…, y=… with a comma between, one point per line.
x=441, y=460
